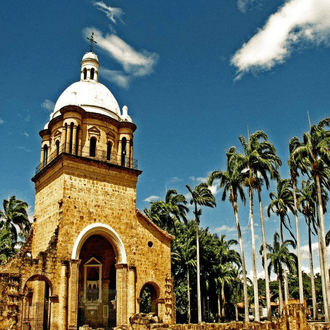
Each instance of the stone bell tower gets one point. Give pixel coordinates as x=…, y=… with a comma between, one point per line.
x=91, y=253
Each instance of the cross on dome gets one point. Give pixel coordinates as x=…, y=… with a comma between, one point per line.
x=91, y=39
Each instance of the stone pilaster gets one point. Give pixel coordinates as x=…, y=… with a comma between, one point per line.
x=131, y=288
x=63, y=297
x=73, y=294
x=121, y=280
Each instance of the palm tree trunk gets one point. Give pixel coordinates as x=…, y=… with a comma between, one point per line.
x=312, y=271
x=219, y=308
x=254, y=260
x=223, y=312
x=188, y=297
x=280, y=293
x=199, y=306
x=323, y=250
x=285, y=273
x=269, y=312
x=240, y=240
x=301, y=287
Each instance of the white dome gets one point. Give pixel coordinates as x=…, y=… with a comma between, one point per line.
x=90, y=95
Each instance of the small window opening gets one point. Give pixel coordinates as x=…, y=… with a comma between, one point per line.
x=85, y=73
x=109, y=145
x=92, y=147
x=57, y=147
x=77, y=141
x=150, y=244
x=45, y=154
x=123, y=151
x=92, y=73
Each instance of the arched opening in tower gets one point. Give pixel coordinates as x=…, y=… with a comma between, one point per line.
x=97, y=284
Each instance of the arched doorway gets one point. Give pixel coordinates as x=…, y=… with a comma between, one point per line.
x=97, y=283
x=36, y=303
x=148, y=299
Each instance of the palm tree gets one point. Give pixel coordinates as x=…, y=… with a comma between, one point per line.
x=183, y=253
x=281, y=203
x=307, y=203
x=231, y=183
x=293, y=144
x=166, y=213
x=258, y=161
x=14, y=214
x=6, y=250
x=223, y=269
x=202, y=196
x=280, y=256
x=312, y=157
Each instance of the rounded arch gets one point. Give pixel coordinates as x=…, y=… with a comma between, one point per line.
x=106, y=231
x=148, y=298
x=41, y=278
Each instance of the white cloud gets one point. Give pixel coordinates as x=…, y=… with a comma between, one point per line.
x=1, y=121
x=297, y=22
x=151, y=199
x=23, y=148
x=135, y=64
x=225, y=228
x=175, y=179
x=117, y=77
x=243, y=5
x=112, y=13
x=48, y=105
x=304, y=250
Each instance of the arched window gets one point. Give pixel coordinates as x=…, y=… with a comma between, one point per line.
x=92, y=73
x=57, y=143
x=123, y=151
x=148, y=296
x=92, y=147
x=85, y=73
x=109, y=146
x=45, y=154
x=77, y=141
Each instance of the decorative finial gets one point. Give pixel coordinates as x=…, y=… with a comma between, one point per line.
x=91, y=39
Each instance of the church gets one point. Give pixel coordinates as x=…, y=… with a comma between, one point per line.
x=91, y=257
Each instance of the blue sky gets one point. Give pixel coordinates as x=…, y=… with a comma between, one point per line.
x=194, y=74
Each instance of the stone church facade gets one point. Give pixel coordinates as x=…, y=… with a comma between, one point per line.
x=91, y=255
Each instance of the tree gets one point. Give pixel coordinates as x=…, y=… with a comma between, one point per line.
x=6, y=250
x=223, y=269
x=200, y=196
x=166, y=213
x=308, y=206
x=312, y=157
x=258, y=161
x=281, y=203
x=14, y=215
x=184, y=256
x=279, y=256
x=231, y=182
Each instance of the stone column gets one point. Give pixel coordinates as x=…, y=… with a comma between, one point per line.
x=67, y=138
x=63, y=297
x=119, y=152
x=131, y=152
x=128, y=153
x=63, y=139
x=73, y=295
x=74, y=140
x=131, y=291
x=121, y=283
x=80, y=146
